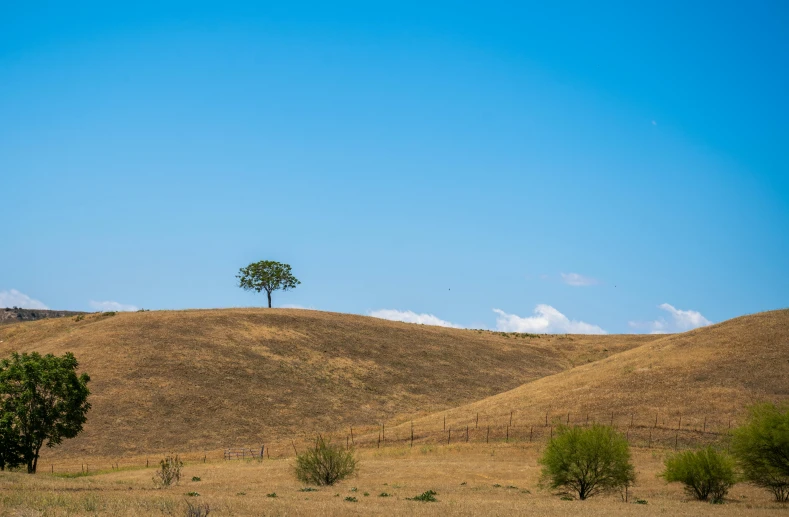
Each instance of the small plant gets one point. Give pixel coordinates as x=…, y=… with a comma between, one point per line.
x=641, y=501
x=325, y=464
x=354, y=489
x=195, y=478
x=761, y=449
x=308, y=489
x=384, y=494
x=706, y=473
x=367, y=494
x=511, y=487
x=272, y=494
x=241, y=493
x=351, y=499
x=567, y=497
x=193, y=494
x=197, y=510
x=79, y=317
x=496, y=485
x=425, y=497
x=169, y=472
x=108, y=314
x=588, y=461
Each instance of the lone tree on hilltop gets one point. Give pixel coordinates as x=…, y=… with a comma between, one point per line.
x=42, y=401
x=268, y=276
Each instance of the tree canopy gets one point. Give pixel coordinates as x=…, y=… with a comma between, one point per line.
x=266, y=275
x=42, y=401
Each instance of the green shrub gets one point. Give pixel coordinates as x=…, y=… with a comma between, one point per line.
x=425, y=497
x=169, y=472
x=761, y=449
x=351, y=499
x=587, y=461
x=706, y=473
x=272, y=495
x=325, y=464
x=195, y=478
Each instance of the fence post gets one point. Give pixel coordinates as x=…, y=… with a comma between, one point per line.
x=449, y=436
x=294, y=447
x=379, y=439
x=546, y=419
x=568, y=418
x=551, y=433
x=445, y=422
x=650, y=439
x=676, y=440
x=531, y=431
x=655, y=420
x=508, y=435
x=466, y=434
x=476, y=423
x=705, y=425
x=412, y=433
x=352, y=442
x=510, y=417
x=487, y=436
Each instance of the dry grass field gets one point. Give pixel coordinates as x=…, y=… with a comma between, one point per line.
x=198, y=381
x=207, y=379
x=469, y=480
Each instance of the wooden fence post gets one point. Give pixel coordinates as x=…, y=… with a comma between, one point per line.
x=676, y=440
x=510, y=417
x=476, y=423
x=449, y=436
x=650, y=439
x=466, y=434
x=546, y=419
x=487, y=436
x=705, y=425
x=508, y=435
x=655, y=420
x=568, y=418
x=445, y=422
x=352, y=442
x=531, y=432
x=412, y=433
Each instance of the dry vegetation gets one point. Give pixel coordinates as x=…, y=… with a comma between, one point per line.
x=207, y=379
x=713, y=373
x=469, y=480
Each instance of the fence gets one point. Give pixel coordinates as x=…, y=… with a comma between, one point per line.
x=666, y=431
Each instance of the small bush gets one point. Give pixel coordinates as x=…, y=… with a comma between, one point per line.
x=384, y=494
x=325, y=464
x=197, y=510
x=272, y=494
x=706, y=473
x=79, y=317
x=193, y=494
x=195, y=478
x=351, y=499
x=425, y=497
x=588, y=461
x=761, y=449
x=169, y=472
x=308, y=489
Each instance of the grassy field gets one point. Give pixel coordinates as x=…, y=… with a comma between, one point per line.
x=207, y=379
x=469, y=480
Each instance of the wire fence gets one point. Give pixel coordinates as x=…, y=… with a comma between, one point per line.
x=653, y=431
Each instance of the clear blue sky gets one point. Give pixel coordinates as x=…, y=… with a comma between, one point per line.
x=430, y=157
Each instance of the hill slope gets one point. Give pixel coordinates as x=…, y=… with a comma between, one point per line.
x=207, y=379
x=713, y=372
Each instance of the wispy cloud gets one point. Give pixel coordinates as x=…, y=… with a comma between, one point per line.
x=109, y=306
x=546, y=320
x=412, y=317
x=679, y=321
x=13, y=298
x=576, y=280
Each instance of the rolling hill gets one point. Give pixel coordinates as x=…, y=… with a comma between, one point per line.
x=207, y=379
x=710, y=373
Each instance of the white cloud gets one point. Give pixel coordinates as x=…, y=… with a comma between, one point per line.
x=14, y=298
x=680, y=321
x=546, y=320
x=112, y=306
x=411, y=317
x=576, y=280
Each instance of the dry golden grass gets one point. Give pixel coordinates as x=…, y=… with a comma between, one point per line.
x=465, y=478
x=207, y=379
x=710, y=373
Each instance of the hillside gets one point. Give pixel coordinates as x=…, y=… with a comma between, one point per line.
x=207, y=379
x=712, y=372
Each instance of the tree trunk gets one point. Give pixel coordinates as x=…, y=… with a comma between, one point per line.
x=269, y=298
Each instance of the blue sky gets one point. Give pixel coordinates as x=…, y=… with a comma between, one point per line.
x=618, y=167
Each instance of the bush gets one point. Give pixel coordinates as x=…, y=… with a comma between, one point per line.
x=325, y=464
x=197, y=510
x=761, y=449
x=706, y=473
x=169, y=472
x=588, y=461
x=425, y=497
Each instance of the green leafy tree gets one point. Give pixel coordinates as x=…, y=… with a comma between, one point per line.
x=268, y=276
x=761, y=449
x=706, y=473
x=588, y=461
x=42, y=401
x=10, y=453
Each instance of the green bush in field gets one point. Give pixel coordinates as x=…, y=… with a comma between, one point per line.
x=706, y=473
x=761, y=449
x=325, y=464
x=588, y=461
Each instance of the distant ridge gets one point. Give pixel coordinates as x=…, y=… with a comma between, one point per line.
x=15, y=314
